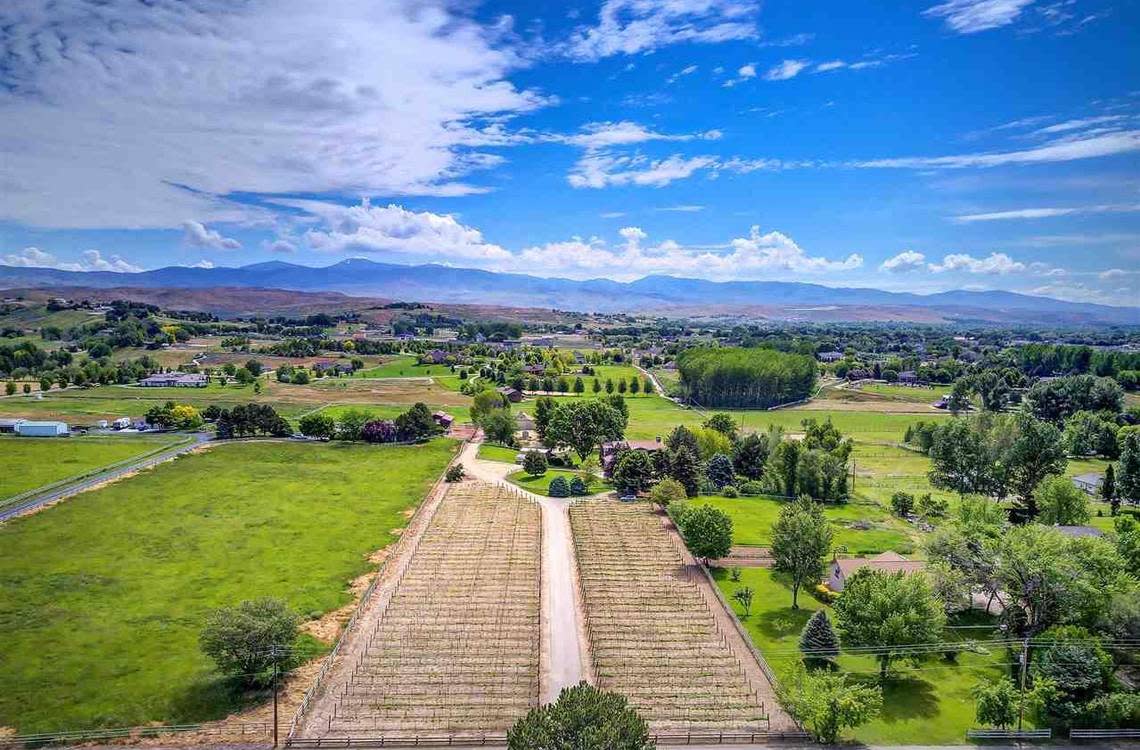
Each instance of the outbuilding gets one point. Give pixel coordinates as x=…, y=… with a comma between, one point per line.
x=888, y=562
x=9, y=425
x=42, y=429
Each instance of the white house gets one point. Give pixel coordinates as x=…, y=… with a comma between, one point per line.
x=42, y=429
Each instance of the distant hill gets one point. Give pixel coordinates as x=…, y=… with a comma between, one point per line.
x=665, y=295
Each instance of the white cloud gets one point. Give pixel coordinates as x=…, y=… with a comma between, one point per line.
x=972, y=16
x=598, y=135
x=785, y=70
x=824, y=67
x=612, y=214
x=904, y=262
x=202, y=264
x=1056, y=151
x=597, y=170
x=195, y=234
x=1113, y=273
x=280, y=245
x=627, y=27
x=1045, y=213
x=1081, y=124
x=141, y=114
x=994, y=263
x=682, y=209
x=747, y=71
x=688, y=70
x=755, y=256
x=394, y=229
x=89, y=260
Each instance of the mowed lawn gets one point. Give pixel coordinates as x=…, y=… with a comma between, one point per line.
x=102, y=597
x=926, y=704
x=27, y=463
x=752, y=519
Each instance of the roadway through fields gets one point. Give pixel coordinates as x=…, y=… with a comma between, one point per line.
x=563, y=662
x=38, y=500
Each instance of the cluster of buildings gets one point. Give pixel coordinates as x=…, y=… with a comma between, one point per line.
x=174, y=380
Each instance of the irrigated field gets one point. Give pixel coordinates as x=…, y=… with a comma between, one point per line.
x=653, y=636
x=457, y=647
x=102, y=598
x=27, y=463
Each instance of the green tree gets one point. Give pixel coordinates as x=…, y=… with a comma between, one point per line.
x=579, y=385
x=686, y=469
x=1060, y=503
x=534, y=463
x=743, y=597
x=719, y=471
x=584, y=425
x=583, y=718
x=499, y=427
x=1037, y=451
x=1108, y=490
x=633, y=472
x=1128, y=468
x=1126, y=535
x=707, y=532
x=902, y=503
x=668, y=491
x=597, y=386
x=749, y=455
x=818, y=641
x=245, y=641
x=543, y=409
x=783, y=467
x=892, y=612
x=826, y=704
x=995, y=703
x=318, y=425
x=961, y=459
x=722, y=423
x=559, y=487
x=801, y=538
x=10, y=388
x=486, y=403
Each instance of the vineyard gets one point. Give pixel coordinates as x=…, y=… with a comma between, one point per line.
x=457, y=647
x=653, y=636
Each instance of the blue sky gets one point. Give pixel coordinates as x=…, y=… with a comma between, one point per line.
x=909, y=145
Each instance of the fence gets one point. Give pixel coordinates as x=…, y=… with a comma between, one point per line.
x=262, y=729
x=1009, y=734
x=498, y=739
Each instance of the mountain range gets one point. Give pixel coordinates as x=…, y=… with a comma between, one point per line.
x=664, y=295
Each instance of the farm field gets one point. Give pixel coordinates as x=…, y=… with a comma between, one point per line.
x=653, y=636
x=101, y=629
x=924, y=705
x=752, y=519
x=457, y=647
x=27, y=463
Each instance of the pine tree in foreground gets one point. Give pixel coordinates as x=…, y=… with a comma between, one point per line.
x=818, y=641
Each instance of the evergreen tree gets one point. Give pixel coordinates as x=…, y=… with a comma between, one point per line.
x=686, y=469
x=818, y=641
x=720, y=471
x=559, y=487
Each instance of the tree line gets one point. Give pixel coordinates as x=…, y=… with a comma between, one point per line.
x=744, y=378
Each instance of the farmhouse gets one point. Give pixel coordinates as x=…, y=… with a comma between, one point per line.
x=28, y=428
x=890, y=562
x=1089, y=483
x=611, y=450
x=174, y=380
x=514, y=395
x=443, y=419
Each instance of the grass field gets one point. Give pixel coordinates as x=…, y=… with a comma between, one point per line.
x=497, y=453
x=924, y=705
x=540, y=485
x=920, y=394
x=752, y=519
x=103, y=598
x=33, y=462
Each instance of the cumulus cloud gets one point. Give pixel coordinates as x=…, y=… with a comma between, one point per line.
x=627, y=27
x=972, y=16
x=994, y=263
x=785, y=70
x=192, y=101
x=394, y=229
x=408, y=234
x=89, y=260
x=905, y=262
x=195, y=234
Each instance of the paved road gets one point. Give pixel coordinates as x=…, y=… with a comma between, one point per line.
x=82, y=485
x=563, y=662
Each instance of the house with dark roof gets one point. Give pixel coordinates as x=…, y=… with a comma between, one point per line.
x=889, y=562
x=514, y=395
x=443, y=419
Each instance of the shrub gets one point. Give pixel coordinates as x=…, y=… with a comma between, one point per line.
x=902, y=503
x=455, y=473
x=666, y=492
x=752, y=489
x=559, y=487
x=578, y=487
x=534, y=463
x=729, y=491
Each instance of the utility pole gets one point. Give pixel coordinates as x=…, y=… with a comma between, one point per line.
x=1024, y=669
x=276, y=672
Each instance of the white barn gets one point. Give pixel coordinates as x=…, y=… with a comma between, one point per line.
x=42, y=429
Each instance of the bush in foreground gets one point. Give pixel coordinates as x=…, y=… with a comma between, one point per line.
x=583, y=718
x=826, y=705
